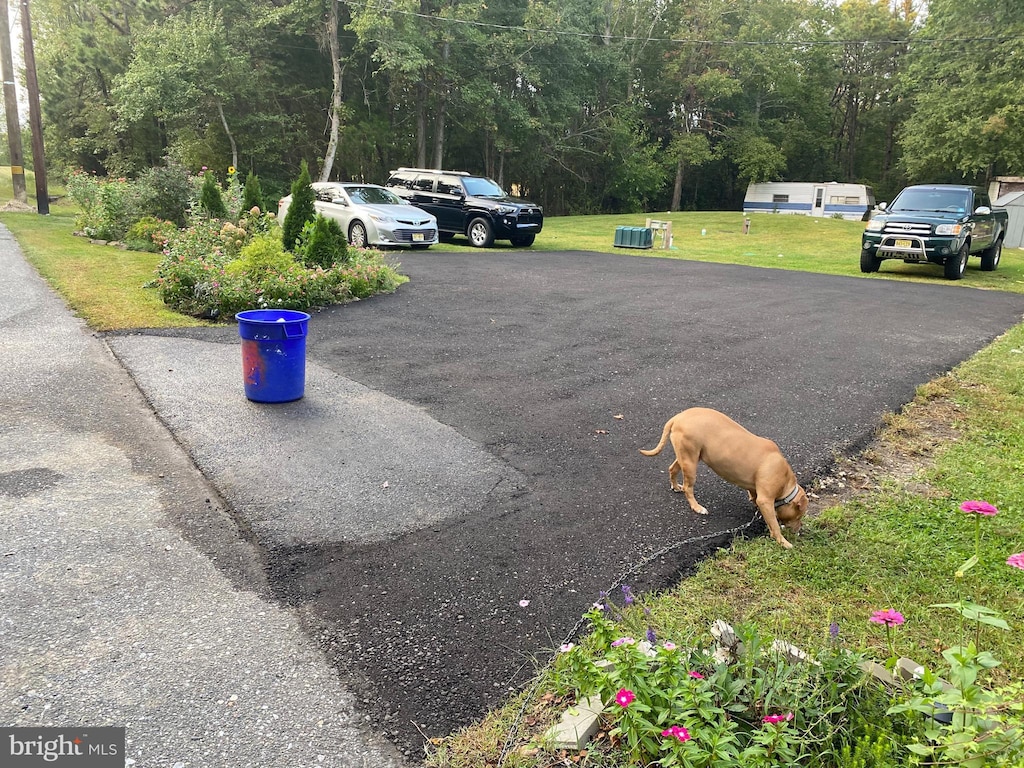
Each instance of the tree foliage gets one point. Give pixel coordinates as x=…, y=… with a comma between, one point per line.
x=301, y=209
x=584, y=107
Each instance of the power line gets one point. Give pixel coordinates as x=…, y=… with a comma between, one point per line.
x=681, y=41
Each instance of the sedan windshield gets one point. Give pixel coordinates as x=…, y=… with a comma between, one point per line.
x=950, y=200
x=373, y=196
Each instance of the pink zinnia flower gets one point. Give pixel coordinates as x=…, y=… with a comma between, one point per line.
x=889, y=617
x=979, y=508
x=776, y=719
x=623, y=641
x=676, y=732
x=1017, y=561
x=668, y=645
x=566, y=647
x=624, y=697
x=696, y=675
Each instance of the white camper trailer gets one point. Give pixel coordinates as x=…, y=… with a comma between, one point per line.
x=829, y=198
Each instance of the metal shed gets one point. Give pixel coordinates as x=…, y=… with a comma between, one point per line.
x=1014, y=205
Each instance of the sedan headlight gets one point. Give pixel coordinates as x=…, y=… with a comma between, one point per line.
x=874, y=226
x=382, y=218
x=948, y=229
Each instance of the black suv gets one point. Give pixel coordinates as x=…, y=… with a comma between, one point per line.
x=473, y=206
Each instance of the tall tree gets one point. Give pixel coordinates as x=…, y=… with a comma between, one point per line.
x=967, y=89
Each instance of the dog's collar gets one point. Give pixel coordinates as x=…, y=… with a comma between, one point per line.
x=788, y=498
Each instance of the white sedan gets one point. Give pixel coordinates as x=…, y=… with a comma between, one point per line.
x=370, y=214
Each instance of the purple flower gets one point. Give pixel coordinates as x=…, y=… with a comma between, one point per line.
x=651, y=637
x=979, y=508
x=624, y=697
x=627, y=594
x=889, y=617
x=833, y=630
x=1016, y=561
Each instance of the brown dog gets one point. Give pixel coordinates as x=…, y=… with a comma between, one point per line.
x=753, y=463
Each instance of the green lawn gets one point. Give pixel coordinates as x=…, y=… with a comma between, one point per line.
x=828, y=246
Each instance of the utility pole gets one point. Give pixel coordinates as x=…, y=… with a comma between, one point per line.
x=11, y=107
x=34, y=116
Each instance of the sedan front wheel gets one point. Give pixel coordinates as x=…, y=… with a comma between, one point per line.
x=357, y=234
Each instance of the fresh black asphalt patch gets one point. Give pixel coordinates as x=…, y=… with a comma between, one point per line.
x=462, y=478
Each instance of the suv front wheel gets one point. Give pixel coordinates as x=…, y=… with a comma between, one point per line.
x=480, y=233
x=523, y=241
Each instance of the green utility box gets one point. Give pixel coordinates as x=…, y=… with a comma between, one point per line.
x=633, y=237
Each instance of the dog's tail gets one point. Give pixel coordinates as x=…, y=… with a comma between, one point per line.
x=664, y=438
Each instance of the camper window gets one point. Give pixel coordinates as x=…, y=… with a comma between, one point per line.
x=780, y=198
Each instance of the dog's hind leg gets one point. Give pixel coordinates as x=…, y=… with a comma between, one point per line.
x=674, y=471
x=689, y=470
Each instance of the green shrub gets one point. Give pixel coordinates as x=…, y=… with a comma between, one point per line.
x=252, y=194
x=149, y=234
x=264, y=254
x=109, y=206
x=322, y=243
x=301, y=210
x=164, y=191
x=211, y=202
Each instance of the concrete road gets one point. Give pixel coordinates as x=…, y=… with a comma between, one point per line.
x=462, y=477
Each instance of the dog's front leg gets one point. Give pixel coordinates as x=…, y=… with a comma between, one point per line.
x=767, y=508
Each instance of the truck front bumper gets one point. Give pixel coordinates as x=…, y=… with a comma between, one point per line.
x=910, y=248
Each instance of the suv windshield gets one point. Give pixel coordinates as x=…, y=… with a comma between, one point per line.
x=477, y=186
x=949, y=200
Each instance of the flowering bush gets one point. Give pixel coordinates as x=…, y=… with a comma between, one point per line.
x=109, y=206
x=215, y=269
x=754, y=708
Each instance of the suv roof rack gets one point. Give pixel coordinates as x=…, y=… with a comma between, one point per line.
x=436, y=170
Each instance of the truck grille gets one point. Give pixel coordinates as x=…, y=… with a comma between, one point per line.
x=907, y=228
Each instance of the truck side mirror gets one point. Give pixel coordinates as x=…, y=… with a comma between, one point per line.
x=982, y=210
x=882, y=206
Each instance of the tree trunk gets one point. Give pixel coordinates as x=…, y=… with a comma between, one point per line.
x=335, y=49
x=677, y=190
x=421, y=126
x=231, y=138
x=442, y=109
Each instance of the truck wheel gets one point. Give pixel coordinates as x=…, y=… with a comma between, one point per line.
x=990, y=256
x=523, y=241
x=480, y=233
x=868, y=261
x=955, y=266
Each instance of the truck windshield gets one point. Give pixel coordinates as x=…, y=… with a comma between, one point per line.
x=948, y=200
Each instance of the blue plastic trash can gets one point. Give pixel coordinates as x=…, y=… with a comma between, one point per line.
x=273, y=354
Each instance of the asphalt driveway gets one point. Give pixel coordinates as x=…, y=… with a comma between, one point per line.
x=462, y=477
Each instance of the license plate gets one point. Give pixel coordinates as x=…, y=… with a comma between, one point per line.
x=903, y=244
x=417, y=237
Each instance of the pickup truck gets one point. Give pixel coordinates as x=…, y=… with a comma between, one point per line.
x=936, y=224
